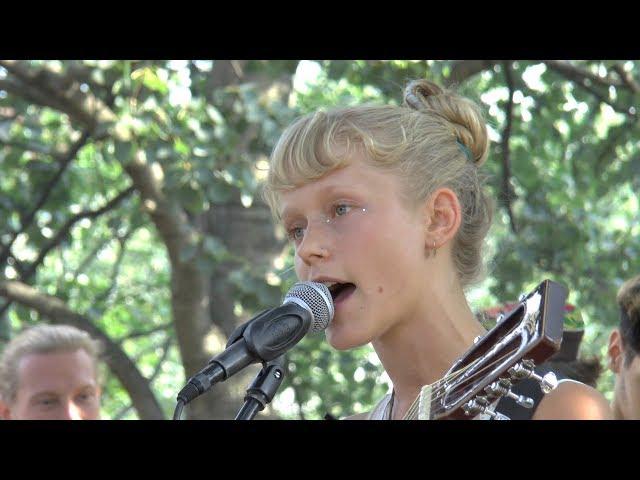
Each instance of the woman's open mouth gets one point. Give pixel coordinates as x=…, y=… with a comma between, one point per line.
x=341, y=291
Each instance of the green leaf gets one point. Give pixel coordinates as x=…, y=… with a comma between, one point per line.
x=150, y=80
x=123, y=151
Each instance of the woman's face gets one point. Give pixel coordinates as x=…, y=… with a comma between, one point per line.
x=352, y=227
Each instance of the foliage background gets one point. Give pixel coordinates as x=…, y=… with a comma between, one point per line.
x=129, y=206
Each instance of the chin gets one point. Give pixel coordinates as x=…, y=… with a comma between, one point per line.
x=342, y=339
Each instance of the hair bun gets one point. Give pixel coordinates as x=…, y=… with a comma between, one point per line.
x=417, y=92
x=465, y=118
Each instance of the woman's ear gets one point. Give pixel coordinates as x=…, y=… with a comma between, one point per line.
x=615, y=351
x=443, y=217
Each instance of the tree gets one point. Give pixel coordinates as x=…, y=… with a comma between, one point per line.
x=129, y=207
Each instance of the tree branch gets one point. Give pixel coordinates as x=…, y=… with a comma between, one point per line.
x=116, y=269
x=90, y=257
x=144, y=333
x=627, y=79
x=82, y=74
x=61, y=235
x=170, y=220
x=46, y=192
x=580, y=77
x=224, y=73
x=464, y=69
x=110, y=205
x=189, y=294
x=507, y=190
x=609, y=147
x=60, y=92
x=165, y=353
x=123, y=368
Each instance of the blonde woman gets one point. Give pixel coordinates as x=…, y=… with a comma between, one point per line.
x=385, y=204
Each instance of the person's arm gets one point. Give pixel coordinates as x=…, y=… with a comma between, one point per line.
x=572, y=400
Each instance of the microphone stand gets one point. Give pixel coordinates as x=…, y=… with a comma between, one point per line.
x=262, y=389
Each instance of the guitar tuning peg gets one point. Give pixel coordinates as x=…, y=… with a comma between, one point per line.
x=525, y=368
x=502, y=387
x=548, y=381
x=475, y=406
x=481, y=405
x=499, y=318
x=471, y=408
x=521, y=400
x=522, y=297
x=496, y=415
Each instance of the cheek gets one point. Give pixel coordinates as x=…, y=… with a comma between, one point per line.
x=382, y=253
x=300, y=267
x=392, y=259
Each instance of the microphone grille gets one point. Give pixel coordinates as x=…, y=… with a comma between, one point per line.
x=318, y=298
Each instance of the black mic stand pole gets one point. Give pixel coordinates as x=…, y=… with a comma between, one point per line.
x=262, y=389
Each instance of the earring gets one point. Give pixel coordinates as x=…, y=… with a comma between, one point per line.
x=434, y=248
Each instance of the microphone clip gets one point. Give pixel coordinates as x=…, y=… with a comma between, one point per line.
x=262, y=389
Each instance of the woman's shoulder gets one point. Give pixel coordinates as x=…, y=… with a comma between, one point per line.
x=572, y=400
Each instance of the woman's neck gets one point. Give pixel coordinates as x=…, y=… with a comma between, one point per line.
x=420, y=350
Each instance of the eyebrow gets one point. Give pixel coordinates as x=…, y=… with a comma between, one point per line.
x=327, y=190
x=44, y=393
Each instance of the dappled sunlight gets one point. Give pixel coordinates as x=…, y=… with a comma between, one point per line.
x=125, y=181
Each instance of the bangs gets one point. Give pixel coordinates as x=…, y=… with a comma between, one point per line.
x=322, y=142
x=311, y=147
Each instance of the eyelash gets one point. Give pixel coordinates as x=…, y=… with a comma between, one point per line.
x=291, y=230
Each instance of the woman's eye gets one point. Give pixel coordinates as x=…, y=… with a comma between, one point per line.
x=296, y=233
x=342, y=210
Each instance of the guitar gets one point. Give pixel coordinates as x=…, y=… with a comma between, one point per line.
x=508, y=353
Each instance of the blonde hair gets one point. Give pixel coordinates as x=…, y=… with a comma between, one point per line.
x=41, y=339
x=436, y=139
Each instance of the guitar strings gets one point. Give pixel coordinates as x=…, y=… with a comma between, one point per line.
x=489, y=365
x=448, y=377
x=441, y=392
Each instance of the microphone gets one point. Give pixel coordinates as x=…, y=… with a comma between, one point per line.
x=307, y=307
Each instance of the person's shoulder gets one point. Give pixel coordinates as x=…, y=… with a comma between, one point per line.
x=572, y=400
x=376, y=414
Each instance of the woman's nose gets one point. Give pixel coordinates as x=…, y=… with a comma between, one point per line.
x=316, y=243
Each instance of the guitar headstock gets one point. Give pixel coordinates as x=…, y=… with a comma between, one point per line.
x=508, y=353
